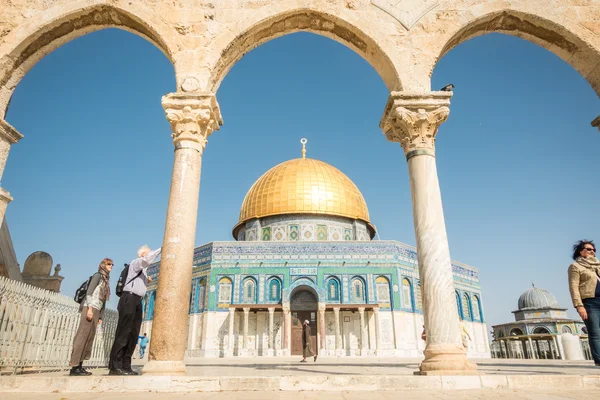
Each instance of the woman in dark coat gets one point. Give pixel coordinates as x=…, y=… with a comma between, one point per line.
x=307, y=350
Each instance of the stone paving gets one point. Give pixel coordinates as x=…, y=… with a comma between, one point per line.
x=395, y=395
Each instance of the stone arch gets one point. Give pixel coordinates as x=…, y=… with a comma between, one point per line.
x=304, y=20
x=303, y=284
x=47, y=30
x=551, y=35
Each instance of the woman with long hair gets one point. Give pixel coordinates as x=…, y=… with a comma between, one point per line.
x=584, y=285
x=92, y=311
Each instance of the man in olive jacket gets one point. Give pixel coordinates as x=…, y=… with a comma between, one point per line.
x=307, y=350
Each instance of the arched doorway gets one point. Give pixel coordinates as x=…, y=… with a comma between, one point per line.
x=303, y=306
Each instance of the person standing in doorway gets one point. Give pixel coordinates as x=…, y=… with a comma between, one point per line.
x=143, y=343
x=92, y=311
x=307, y=350
x=130, y=312
x=584, y=286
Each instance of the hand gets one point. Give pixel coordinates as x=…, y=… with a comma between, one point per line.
x=149, y=278
x=582, y=312
x=99, y=322
x=90, y=314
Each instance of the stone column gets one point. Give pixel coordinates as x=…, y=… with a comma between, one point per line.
x=338, y=336
x=193, y=117
x=287, y=329
x=271, y=350
x=364, y=338
x=245, y=335
x=231, y=339
x=8, y=137
x=532, y=349
x=377, y=332
x=412, y=119
x=322, y=330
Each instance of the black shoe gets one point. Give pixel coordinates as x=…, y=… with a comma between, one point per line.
x=117, y=371
x=76, y=371
x=315, y=360
x=129, y=371
x=85, y=372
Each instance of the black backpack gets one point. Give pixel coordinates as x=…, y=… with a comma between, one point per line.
x=82, y=291
x=122, y=278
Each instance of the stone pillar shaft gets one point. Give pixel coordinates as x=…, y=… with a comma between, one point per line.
x=338, y=336
x=363, y=333
x=322, y=326
x=193, y=118
x=377, y=329
x=412, y=119
x=246, y=314
x=287, y=328
x=231, y=340
x=271, y=335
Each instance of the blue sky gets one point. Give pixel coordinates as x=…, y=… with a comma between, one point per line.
x=517, y=159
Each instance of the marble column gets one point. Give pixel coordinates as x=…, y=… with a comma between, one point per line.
x=193, y=117
x=287, y=329
x=363, y=334
x=231, y=338
x=412, y=119
x=8, y=137
x=271, y=350
x=338, y=336
x=322, y=330
x=377, y=331
x=532, y=349
x=245, y=335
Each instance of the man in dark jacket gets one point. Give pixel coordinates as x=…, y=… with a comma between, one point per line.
x=307, y=350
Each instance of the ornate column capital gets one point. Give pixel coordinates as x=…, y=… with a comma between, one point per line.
x=361, y=311
x=193, y=118
x=413, y=119
x=336, y=310
x=285, y=307
x=596, y=122
x=322, y=307
x=246, y=310
x=271, y=310
x=375, y=310
x=8, y=133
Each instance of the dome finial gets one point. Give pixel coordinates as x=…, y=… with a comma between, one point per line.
x=303, y=141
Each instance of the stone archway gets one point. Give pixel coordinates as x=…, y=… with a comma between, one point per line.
x=303, y=307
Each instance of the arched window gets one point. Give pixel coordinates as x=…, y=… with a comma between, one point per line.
x=407, y=294
x=383, y=289
x=274, y=290
x=466, y=306
x=151, y=305
x=419, y=297
x=566, y=329
x=225, y=290
x=358, y=290
x=201, y=294
x=540, y=330
x=459, y=305
x=249, y=290
x=333, y=289
x=516, y=332
x=477, y=309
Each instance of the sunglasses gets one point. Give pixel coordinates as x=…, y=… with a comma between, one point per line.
x=589, y=249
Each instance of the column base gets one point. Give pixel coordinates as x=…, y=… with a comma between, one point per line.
x=340, y=353
x=155, y=367
x=269, y=353
x=243, y=353
x=446, y=360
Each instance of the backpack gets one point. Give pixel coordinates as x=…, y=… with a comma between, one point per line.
x=122, y=278
x=82, y=291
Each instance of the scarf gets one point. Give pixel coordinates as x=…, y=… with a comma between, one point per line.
x=591, y=263
x=105, y=274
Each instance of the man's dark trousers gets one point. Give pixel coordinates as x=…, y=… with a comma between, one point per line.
x=128, y=329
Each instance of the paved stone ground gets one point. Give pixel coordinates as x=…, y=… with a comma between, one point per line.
x=263, y=366
x=412, y=395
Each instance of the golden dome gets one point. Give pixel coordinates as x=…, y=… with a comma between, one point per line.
x=304, y=186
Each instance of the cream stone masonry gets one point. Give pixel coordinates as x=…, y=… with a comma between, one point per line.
x=193, y=117
x=413, y=120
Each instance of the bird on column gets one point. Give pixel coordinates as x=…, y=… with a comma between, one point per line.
x=447, y=88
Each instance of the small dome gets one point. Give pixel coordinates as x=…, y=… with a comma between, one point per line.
x=38, y=263
x=536, y=298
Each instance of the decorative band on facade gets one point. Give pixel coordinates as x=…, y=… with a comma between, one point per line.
x=420, y=152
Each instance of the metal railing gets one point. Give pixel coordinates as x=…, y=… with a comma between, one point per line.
x=37, y=327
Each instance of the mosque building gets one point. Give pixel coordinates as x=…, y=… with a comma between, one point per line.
x=304, y=250
x=541, y=330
